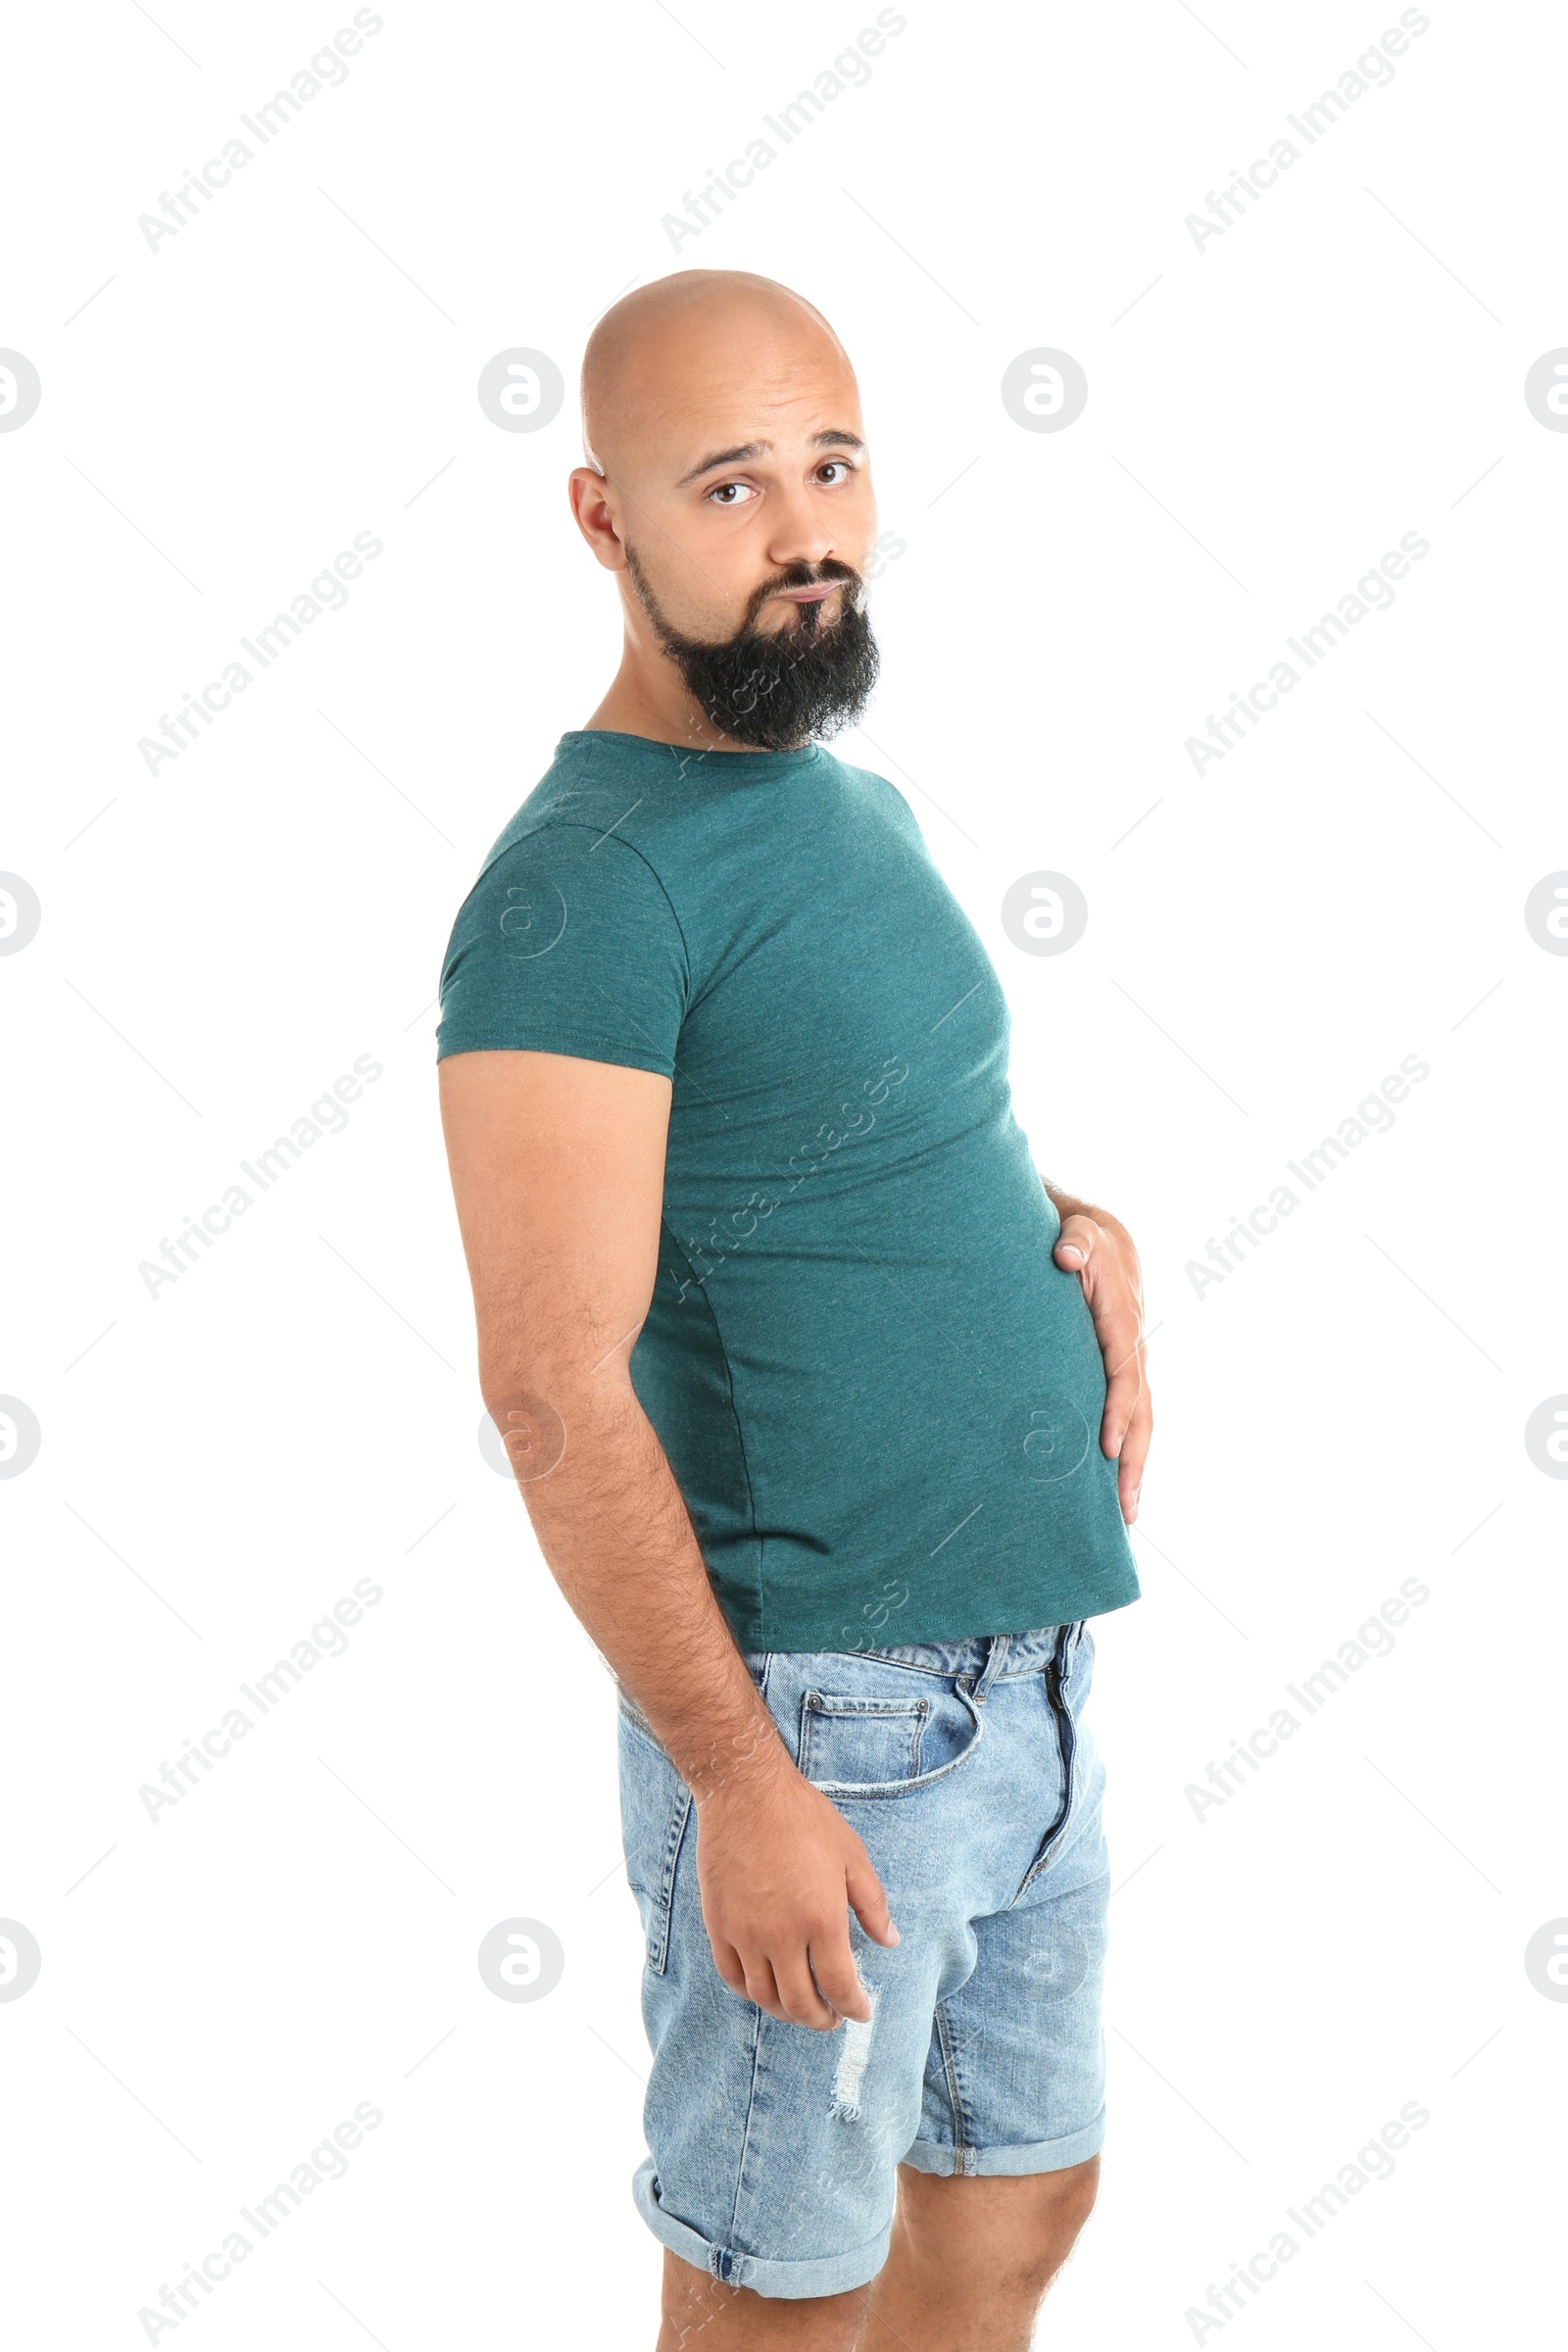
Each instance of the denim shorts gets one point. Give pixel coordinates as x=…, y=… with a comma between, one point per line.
x=966, y=1770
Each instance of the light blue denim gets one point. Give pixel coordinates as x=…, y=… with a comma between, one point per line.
x=966, y=1769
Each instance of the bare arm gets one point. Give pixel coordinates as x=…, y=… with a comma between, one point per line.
x=1098, y=1248
x=557, y=1169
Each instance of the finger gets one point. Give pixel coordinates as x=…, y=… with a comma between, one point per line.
x=1075, y=1243
x=837, y=1978
x=1122, y=1346
x=799, y=1996
x=1134, y=1454
x=868, y=1900
x=762, y=1985
x=727, y=1961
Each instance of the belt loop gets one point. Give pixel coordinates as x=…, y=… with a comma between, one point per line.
x=996, y=1657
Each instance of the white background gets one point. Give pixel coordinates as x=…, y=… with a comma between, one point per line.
x=220, y=1463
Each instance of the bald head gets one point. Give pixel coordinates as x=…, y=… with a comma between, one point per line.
x=666, y=347
x=728, y=485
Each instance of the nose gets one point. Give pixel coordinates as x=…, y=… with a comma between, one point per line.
x=800, y=530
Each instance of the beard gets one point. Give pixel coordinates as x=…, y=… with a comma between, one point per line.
x=775, y=692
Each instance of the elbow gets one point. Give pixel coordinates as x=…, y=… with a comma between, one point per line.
x=541, y=1398
x=531, y=1426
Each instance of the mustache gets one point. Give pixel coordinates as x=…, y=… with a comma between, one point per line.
x=804, y=575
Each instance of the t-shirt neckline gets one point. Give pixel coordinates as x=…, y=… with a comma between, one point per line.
x=721, y=763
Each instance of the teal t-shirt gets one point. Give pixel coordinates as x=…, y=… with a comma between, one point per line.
x=879, y=1396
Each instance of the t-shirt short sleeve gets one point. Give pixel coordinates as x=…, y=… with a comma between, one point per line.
x=567, y=944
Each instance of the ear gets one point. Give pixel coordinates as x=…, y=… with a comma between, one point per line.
x=593, y=511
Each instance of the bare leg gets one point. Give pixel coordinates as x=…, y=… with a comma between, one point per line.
x=971, y=2258
x=699, y=2315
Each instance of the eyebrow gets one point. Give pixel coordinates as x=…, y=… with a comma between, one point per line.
x=831, y=437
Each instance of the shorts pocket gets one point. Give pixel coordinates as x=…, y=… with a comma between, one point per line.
x=852, y=1745
x=860, y=1739
x=655, y=1811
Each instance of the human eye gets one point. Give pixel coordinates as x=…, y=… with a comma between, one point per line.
x=729, y=494
x=839, y=468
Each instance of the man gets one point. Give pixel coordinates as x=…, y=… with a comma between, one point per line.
x=827, y=1414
